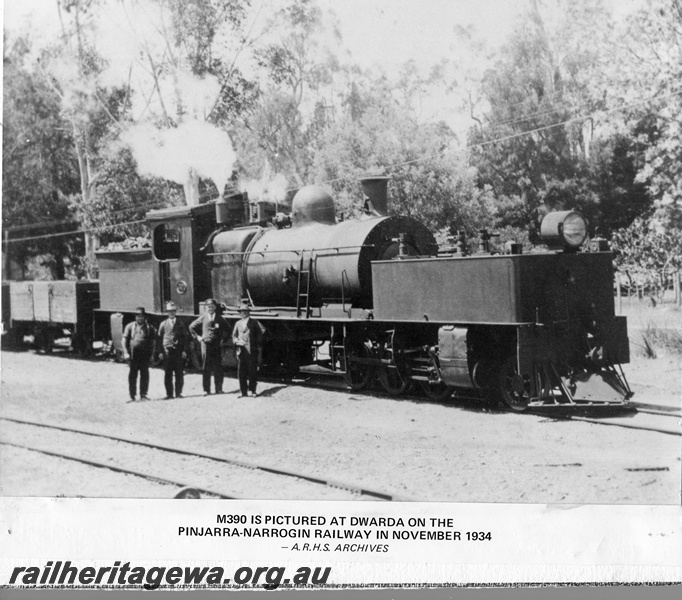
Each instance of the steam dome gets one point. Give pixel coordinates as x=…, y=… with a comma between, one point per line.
x=313, y=204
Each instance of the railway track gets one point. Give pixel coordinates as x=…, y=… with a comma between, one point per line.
x=643, y=418
x=633, y=415
x=210, y=475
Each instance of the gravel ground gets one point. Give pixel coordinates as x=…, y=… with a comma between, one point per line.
x=410, y=449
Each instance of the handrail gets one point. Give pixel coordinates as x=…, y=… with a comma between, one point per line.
x=343, y=291
x=315, y=250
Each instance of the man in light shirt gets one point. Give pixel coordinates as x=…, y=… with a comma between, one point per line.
x=210, y=329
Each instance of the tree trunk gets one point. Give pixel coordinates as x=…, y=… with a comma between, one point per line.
x=191, y=186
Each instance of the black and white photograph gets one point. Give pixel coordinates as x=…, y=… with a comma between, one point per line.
x=377, y=251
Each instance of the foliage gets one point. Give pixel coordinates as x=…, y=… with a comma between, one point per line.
x=572, y=113
x=652, y=57
x=621, y=198
x=284, y=130
x=378, y=133
x=38, y=165
x=531, y=145
x=123, y=197
x=643, y=248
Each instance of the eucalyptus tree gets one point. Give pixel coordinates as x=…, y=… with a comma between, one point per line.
x=652, y=59
x=299, y=66
x=545, y=97
x=39, y=166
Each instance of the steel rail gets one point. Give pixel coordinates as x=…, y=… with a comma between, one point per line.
x=677, y=432
x=101, y=465
x=219, y=459
x=545, y=412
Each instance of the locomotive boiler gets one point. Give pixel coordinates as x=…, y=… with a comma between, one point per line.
x=316, y=262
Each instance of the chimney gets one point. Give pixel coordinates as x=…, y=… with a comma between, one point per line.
x=228, y=210
x=375, y=190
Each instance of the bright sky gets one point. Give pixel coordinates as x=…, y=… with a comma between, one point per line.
x=383, y=32
x=394, y=31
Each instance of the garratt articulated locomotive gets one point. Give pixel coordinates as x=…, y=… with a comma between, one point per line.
x=375, y=298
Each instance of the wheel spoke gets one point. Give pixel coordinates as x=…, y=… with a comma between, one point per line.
x=358, y=375
x=393, y=381
x=516, y=390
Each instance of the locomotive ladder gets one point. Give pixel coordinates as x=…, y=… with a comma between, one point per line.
x=303, y=283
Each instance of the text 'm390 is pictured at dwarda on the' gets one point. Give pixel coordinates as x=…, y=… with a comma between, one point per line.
x=381, y=347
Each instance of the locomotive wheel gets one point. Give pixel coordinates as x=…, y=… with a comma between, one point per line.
x=436, y=391
x=516, y=390
x=394, y=378
x=393, y=381
x=358, y=375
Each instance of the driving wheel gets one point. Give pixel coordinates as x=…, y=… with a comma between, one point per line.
x=516, y=389
x=358, y=375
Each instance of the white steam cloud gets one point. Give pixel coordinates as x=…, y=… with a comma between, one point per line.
x=194, y=148
x=267, y=189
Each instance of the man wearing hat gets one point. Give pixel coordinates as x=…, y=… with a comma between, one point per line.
x=247, y=336
x=210, y=329
x=173, y=343
x=139, y=341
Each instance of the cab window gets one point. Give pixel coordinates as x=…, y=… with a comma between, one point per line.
x=167, y=242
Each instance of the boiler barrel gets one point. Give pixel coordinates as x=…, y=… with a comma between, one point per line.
x=341, y=258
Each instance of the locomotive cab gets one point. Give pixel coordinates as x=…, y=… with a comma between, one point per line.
x=179, y=274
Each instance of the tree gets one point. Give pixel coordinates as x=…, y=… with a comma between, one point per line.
x=621, y=198
x=378, y=132
x=644, y=249
x=283, y=132
x=39, y=165
x=652, y=55
x=533, y=145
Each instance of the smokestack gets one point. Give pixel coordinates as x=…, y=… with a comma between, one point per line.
x=375, y=190
x=228, y=210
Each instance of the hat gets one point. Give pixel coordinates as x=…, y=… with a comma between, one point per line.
x=211, y=301
x=244, y=307
x=140, y=310
x=171, y=306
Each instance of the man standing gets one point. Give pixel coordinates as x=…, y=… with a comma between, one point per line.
x=173, y=343
x=139, y=341
x=210, y=329
x=247, y=336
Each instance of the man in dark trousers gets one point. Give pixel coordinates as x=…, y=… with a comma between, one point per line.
x=173, y=343
x=210, y=329
x=139, y=341
x=247, y=336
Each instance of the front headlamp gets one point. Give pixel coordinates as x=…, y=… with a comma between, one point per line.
x=565, y=229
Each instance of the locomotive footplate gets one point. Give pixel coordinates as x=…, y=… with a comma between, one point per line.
x=548, y=380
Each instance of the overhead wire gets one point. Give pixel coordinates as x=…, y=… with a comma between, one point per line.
x=396, y=165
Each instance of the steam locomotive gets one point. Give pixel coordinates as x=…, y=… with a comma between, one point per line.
x=376, y=299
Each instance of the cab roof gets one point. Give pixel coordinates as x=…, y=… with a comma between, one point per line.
x=174, y=212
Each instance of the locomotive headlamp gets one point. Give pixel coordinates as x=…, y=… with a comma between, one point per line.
x=567, y=229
